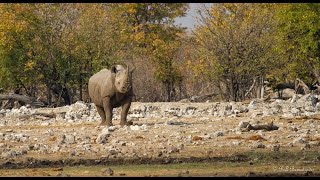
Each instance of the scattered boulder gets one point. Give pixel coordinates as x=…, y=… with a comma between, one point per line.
x=275, y=147
x=67, y=139
x=219, y=133
x=102, y=138
x=243, y=124
x=299, y=140
x=139, y=128
x=258, y=145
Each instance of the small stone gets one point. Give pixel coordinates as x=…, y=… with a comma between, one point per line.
x=113, y=152
x=259, y=145
x=135, y=128
x=250, y=174
x=69, y=139
x=236, y=143
x=61, y=174
x=308, y=173
x=3, y=145
x=306, y=146
x=183, y=173
x=219, y=133
x=290, y=144
x=299, y=140
x=173, y=150
x=112, y=128
x=252, y=105
x=107, y=171
x=9, y=130
x=73, y=153
x=45, y=124
x=180, y=146
x=102, y=138
x=275, y=147
x=58, y=169
x=293, y=128
x=243, y=124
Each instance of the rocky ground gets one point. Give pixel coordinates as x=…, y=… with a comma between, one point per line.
x=162, y=133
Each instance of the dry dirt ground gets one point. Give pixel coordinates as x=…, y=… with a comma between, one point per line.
x=177, y=146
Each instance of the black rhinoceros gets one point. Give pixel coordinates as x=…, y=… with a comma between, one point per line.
x=109, y=89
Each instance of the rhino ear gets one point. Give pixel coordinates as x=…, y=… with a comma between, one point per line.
x=113, y=69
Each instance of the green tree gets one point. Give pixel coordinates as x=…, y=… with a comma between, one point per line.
x=152, y=40
x=57, y=47
x=298, y=41
x=233, y=42
x=15, y=64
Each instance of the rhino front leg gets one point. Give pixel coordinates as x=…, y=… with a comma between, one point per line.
x=124, y=112
x=108, y=112
x=102, y=114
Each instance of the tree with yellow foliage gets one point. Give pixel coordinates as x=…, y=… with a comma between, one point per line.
x=233, y=43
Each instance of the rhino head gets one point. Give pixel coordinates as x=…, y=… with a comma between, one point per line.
x=123, y=78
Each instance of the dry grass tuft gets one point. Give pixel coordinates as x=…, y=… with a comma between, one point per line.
x=196, y=138
x=235, y=137
x=256, y=138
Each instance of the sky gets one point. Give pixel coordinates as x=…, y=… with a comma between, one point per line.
x=190, y=20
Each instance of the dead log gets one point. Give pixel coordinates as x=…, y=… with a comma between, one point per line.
x=49, y=115
x=50, y=112
x=21, y=98
x=268, y=127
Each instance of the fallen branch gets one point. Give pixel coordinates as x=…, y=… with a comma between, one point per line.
x=268, y=127
x=25, y=99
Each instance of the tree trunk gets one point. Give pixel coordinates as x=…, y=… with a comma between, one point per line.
x=172, y=92
x=168, y=91
x=251, y=87
x=258, y=90
x=234, y=90
x=49, y=97
x=80, y=87
x=262, y=88
x=66, y=95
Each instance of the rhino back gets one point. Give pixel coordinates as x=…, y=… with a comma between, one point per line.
x=100, y=86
